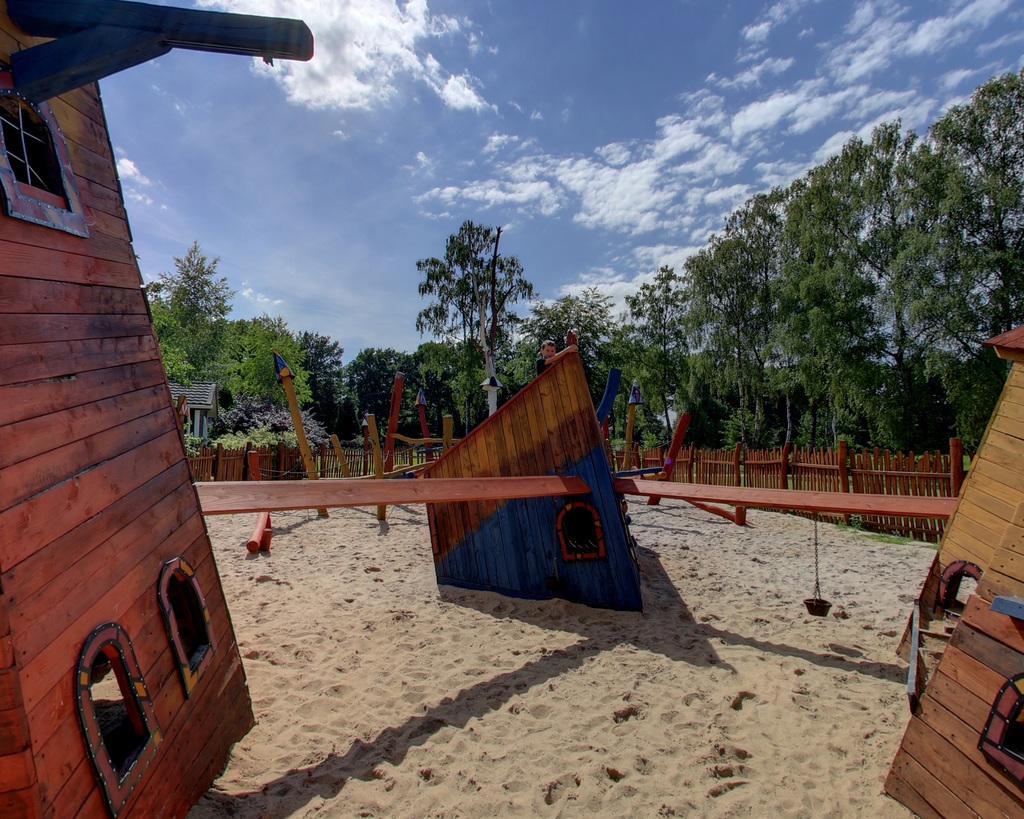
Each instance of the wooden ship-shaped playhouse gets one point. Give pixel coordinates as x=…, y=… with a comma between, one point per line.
x=575, y=547
x=121, y=687
x=962, y=754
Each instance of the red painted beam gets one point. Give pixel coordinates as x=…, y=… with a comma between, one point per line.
x=231, y=497
x=911, y=506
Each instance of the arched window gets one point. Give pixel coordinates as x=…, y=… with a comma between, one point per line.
x=187, y=621
x=949, y=585
x=1002, y=741
x=115, y=712
x=580, y=532
x=35, y=168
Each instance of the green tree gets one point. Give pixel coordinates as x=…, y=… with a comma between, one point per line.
x=473, y=290
x=588, y=315
x=190, y=309
x=322, y=361
x=657, y=313
x=970, y=178
x=248, y=361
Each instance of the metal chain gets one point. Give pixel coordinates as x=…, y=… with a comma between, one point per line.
x=817, y=582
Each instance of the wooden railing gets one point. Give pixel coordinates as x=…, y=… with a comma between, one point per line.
x=281, y=463
x=932, y=474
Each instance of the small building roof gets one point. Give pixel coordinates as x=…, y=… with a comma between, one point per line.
x=1009, y=345
x=201, y=395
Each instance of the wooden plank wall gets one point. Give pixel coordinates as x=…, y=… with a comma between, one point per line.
x=938, y=770
x=995, y=484
x=95, y=496
x=548, y=428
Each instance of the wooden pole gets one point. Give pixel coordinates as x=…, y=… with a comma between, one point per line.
x=340, y=455
x=682, y=424
x=447, y=424
x=396, y=405
x=421, y=406
x=284, y=375
x=378, y=460
x=956, y=465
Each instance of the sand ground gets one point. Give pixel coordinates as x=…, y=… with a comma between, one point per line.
x=379, y=693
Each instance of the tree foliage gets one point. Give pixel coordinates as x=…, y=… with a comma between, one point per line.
x=473, y=290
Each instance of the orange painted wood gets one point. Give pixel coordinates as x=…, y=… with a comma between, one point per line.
x=986, y=650
x=974, y=676
x=17, y=771
x=29, y=400
x=26, y=478
x=107, y=531
x=59, y=358
x=225, y=498
x=911, y=784
x=23, y=804
x=1007, y=630
x=40, y=297
x=27, y=527
x=791, y=498
x=929, y=746
x=35, y=262
x=28, y=328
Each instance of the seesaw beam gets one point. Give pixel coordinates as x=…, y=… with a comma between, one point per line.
x=857, y=504
x=234, y=497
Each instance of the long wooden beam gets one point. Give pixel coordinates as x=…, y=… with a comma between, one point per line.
x=910, y=506
x=231, y=497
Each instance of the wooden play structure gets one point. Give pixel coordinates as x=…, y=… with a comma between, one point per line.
x=963, y=750
x=121, y=687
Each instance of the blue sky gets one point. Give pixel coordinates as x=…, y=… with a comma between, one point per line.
x=606, y=138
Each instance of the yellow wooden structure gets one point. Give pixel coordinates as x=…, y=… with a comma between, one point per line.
x=963, y=750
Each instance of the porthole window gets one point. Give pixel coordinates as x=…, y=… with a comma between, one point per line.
x=580, y=532
x=115, y=712
x=35, y=168
x=1002, y=741
x=187, y=620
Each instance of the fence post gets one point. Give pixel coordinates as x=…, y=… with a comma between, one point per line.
x=218, y=464
x=736, y=462
x=956, y=465
x=784, y=467
x=279, y=473
x=844, y=472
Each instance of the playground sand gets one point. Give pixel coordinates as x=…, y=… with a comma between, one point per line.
x=378, y=693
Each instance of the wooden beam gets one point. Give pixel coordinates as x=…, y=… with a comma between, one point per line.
x=231, y=497
x=897, y=505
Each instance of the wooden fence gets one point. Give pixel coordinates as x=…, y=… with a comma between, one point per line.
x=282, y=463
x=879, y=472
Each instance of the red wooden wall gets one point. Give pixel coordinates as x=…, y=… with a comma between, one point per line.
x=95, y=496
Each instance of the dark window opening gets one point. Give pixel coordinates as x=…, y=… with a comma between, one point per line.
x=121, y=725
x=29, y=147
x=187, y=621
x=36, y=180
x=115, y=713
x=579, y=532
x=1002, y=741
x=1014, y=740
x=959, y=580
x=189, y=616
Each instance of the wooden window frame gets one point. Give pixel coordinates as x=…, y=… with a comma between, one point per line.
x=190, y=668
x=568, y=554
x=117, y=787
x=25, y=201
x=1006, y=710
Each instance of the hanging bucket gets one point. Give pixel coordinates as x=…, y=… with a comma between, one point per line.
x=817, y=607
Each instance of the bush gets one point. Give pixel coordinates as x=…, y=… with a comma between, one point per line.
x=258, y=437
x=250, y=416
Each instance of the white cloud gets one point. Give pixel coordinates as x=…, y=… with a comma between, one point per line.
x=260, y=299
x=364, y=51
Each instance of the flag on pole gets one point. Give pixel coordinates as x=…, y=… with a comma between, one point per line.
x=281, y=369
x=420, y=398
x=634, y=394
